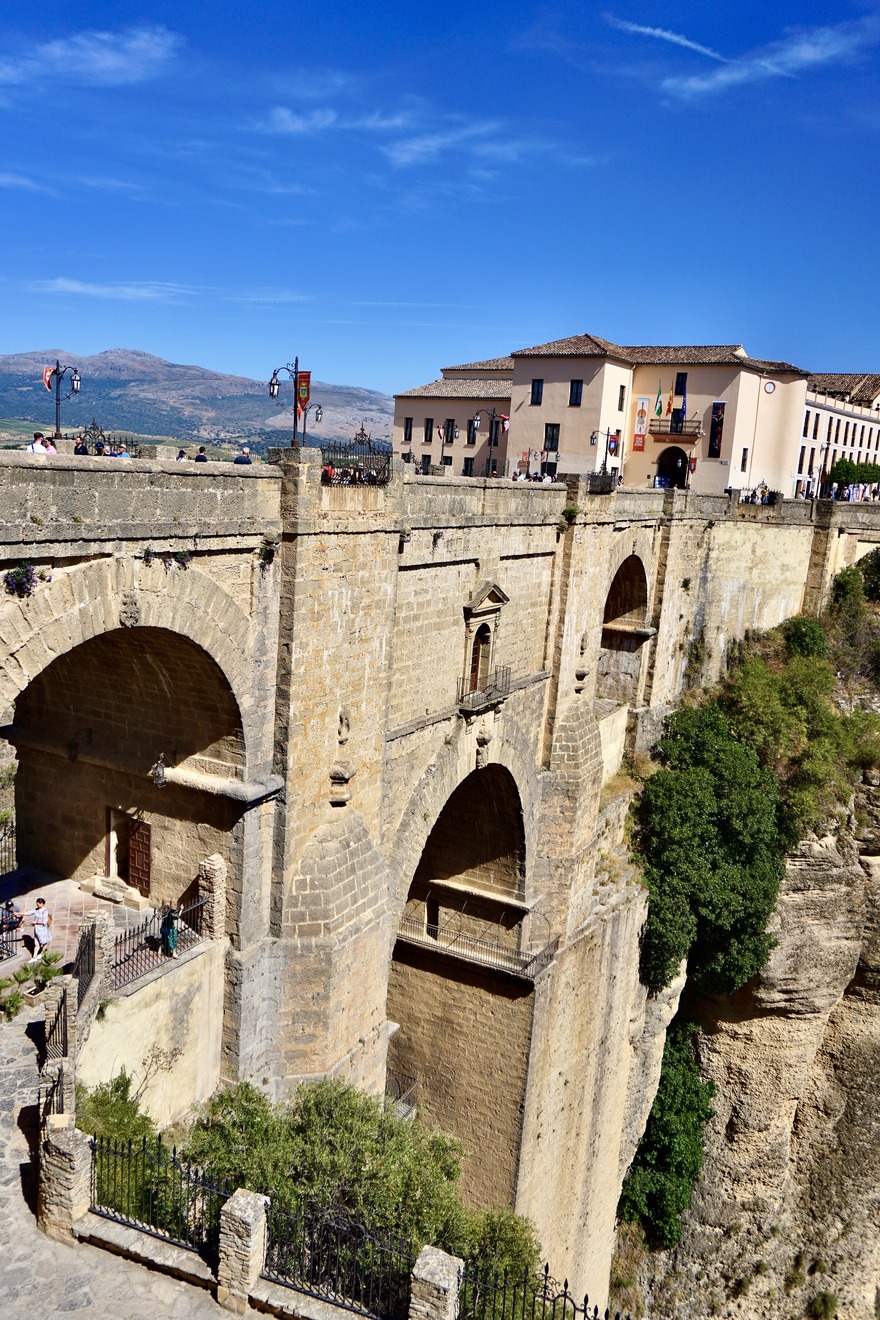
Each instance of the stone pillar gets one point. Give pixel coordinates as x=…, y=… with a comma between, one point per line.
x=242, y=1248
x=436, y=1279
x=212, y=887
x=65, y=1178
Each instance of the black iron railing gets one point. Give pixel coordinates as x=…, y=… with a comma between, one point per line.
x=53, y=1099
x=11, y=944
x=489, y=953
x=333, y=1257
x=7, y=847
x=150, y=945
x=527, y=1296
x=401, y=1094
x=672, y=426
x=492, y=689
x=84, y=963
x=364, y=464
x=148, y=1187
x=56, y=1030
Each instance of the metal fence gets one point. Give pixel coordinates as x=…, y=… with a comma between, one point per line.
x=527, y=1296
x=146, y=1186
x=11, y=944
x=364, y=464
x=488, y=953
x=53, y=1100
x=148, y=946
x=84, y=963
x=332, y=1257
x=8, y=860
x=56, y=1030
x=401, y=1094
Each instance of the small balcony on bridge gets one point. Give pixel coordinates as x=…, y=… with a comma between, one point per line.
x=489, y=944
x=478, y=695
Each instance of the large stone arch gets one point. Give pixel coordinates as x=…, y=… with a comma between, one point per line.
x=624, y=632
x=508, y=746
x=86, y=600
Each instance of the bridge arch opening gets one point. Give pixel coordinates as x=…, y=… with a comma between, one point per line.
x=624, y=633
x=87, y=731
x=461, y=981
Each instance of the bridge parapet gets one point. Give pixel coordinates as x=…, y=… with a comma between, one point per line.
x=48, y=503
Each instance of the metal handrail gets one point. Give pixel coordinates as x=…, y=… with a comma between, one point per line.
x=488, y=953
x=667, y=426
x=139, y=951
x=496, y=687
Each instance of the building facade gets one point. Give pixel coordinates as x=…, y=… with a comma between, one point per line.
x=706, y=417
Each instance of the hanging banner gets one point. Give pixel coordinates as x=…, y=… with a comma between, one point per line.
x=692, y=463
x=303, y=388
x=48, y=373
x=716, y=430
x=641, y=427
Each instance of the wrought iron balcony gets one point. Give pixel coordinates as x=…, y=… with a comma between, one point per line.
x=670, y=426
x=488, y=953
x=491, y=692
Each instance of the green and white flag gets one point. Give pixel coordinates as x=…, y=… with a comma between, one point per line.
x=658, y=406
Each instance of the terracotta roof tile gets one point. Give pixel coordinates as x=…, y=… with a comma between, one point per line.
x=657, y=354
x=854, y=386
x=490, y=364
x=483, y=388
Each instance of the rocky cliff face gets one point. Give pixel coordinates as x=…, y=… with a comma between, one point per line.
x=788, y=1206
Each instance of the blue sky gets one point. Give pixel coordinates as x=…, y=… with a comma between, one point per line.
x=385, y=191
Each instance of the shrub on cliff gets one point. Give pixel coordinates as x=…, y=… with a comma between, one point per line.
x=712, y=832
x=658, y=1187
x=341, y=1150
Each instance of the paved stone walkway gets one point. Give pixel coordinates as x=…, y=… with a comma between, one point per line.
x=45, y=1280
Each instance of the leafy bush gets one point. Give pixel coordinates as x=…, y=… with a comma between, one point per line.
x=869, y=567
x=823, y=1306
x=343, y=1150
x=805, y=636
x=658, y=1187
x=110, y=1110
x=712, y=833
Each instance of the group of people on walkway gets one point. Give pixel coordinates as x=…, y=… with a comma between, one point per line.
x=42, y=444
x=12, y=918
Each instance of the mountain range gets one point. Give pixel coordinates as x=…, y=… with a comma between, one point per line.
x=124, y=389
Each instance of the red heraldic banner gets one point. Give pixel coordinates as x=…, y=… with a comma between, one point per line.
x=303, y=388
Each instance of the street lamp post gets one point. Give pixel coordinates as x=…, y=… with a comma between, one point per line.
x=274, y=387
x=493, y=416
x=58, y=373
x=319, y=413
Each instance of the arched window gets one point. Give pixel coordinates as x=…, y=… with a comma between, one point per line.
x=480, y=658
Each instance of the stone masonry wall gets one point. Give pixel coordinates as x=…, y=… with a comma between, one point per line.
x=464, y=1034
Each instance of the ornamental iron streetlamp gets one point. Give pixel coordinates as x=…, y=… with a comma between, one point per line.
x=301, y=385
x=494, y=418
x=57, y=373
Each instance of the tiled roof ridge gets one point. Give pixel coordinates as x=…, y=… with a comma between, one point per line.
x=488, y=364
x=480, y=387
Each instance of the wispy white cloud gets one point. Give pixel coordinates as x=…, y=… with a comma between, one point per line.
x=109, y=59
x=20, y=181
x=797, y=52
x=145, y=291
x=282, y=120
x=424, y=147
x=662, y=34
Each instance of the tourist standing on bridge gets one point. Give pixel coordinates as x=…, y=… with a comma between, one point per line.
x=37, y=445
x=42, y=927
x=244, y=456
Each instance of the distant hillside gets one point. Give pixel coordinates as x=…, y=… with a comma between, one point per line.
x=126, y=390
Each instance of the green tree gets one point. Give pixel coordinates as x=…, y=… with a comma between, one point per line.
x=869, y=567
x=711, y=829
x=111, y=1111
x=659, y=1185
x=339, y=1149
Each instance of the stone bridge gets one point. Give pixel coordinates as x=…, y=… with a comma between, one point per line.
x=392, y=712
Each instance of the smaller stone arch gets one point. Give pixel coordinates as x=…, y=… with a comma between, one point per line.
x=625, y=630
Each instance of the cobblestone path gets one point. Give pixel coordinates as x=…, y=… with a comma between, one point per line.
x=45, y=1280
